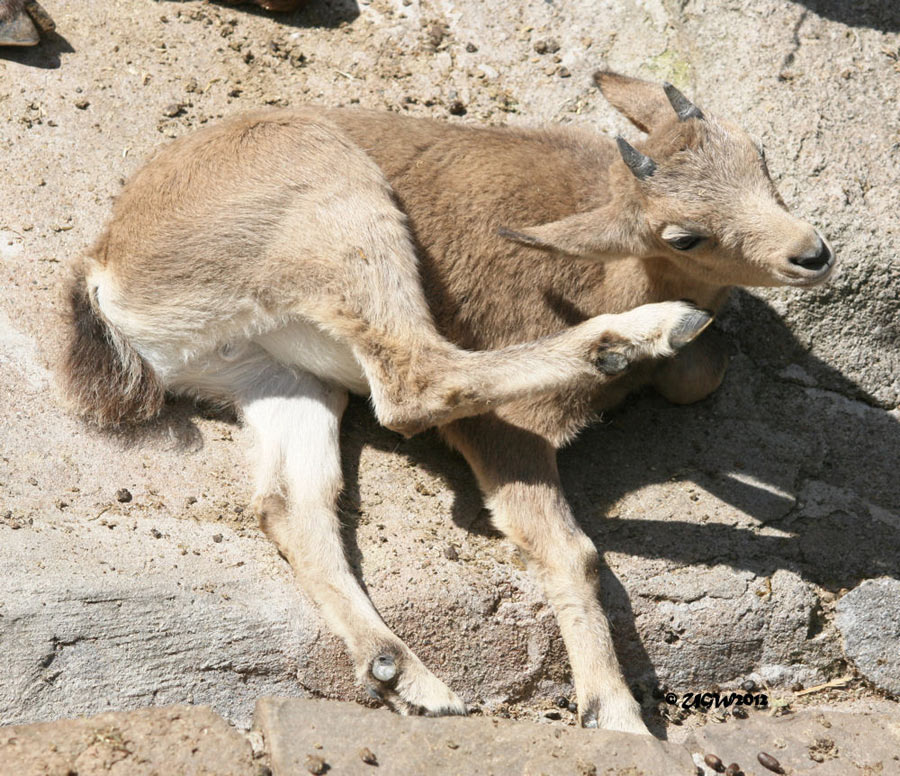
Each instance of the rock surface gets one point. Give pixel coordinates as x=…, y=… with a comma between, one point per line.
x=182, y=740
x=730, y=528
x=868, y=618
x=823, y=743
x=336, y=733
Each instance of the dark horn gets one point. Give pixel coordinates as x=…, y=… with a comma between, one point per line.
x=682, y=105
x=642, y=166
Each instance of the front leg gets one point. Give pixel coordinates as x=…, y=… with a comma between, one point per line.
x=695, y=371
x=517, y=472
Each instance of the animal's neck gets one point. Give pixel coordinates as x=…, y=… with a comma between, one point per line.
x=640, y=281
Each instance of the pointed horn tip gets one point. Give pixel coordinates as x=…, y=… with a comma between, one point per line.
x=641, y=165
x=682, y=106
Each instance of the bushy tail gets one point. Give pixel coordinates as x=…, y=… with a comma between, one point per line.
x=106, y=380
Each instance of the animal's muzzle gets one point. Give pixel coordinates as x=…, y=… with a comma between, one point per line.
x=815, y=260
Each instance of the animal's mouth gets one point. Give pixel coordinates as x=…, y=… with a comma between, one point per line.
x=803, y=277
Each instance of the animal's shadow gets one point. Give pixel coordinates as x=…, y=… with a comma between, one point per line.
x=46, y=55
x=877, y=14
x=314, y=13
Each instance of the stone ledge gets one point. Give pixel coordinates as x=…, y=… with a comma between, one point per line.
x=182, y=740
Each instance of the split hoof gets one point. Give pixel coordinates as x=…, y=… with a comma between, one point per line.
x=691, y=326
x=19, y=31
x=39, y=16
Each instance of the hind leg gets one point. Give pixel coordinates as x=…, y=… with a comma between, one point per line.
x=296, y=418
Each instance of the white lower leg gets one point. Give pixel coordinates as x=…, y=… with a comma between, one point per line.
x=296, y=418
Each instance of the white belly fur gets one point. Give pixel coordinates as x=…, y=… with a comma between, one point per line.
x=305, y=346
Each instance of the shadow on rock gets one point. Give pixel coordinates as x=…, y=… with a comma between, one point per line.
x=877, y=14
x=773, y=447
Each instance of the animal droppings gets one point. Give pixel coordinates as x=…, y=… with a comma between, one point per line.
x=767, y=761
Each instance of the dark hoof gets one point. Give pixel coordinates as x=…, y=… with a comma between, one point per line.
x=19, y=31
x=690, y=327
x=611, y=363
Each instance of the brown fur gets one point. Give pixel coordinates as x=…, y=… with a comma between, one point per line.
x=108, y=383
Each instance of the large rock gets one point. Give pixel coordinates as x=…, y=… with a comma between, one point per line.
x=338, y=735
x=868, y=618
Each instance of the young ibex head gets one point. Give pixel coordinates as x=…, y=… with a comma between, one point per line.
x=697, y=194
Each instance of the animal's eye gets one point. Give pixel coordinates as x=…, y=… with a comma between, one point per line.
x=684, y=242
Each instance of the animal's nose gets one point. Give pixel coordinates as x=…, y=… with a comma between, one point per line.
x=815, y=259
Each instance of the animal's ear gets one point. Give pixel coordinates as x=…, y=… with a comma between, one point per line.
x=579, y=235
x=644, y=103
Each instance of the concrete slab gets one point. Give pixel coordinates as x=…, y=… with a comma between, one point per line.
x=303, y=736
x=182, y=740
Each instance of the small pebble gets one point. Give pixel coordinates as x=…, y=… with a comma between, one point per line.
x=471, y=48
x=123, y=495
x=173, y=109
x=562, y=701
x=740, y=712
x=156, y=533
x=452, y=745
x=315, y=765
x=748, y=686
x=734, y=770
x=573, y=707
x=714, y=762
x=546, y=46
x=82, y=104
x=456, y=108
x=436, y=34
x=217, y=538
x=552, y=715
x=563, y=72
x=767, y=761
x=368, y=756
